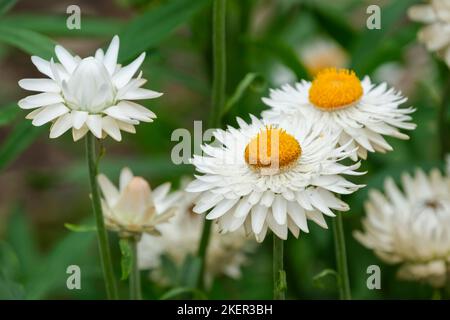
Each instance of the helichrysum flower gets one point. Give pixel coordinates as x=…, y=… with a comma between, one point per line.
x=411, y=227
x=359, y=112
x=271, y=177
x=134, y=208
x=436, y=35
x=180, y=238
x=91, y=94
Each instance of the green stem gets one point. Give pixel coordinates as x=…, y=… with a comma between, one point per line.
x=218, y=102
x=105, y=255
x=279, y=275
x=341, y=258
x=135, y=276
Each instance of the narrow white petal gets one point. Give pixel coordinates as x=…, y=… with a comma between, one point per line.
x=124, y=75
x=40, y=100
x=125, y=177
x=79, y=118
x=66, y=59
x=61, y=125
x=94, y=123
x=42, y=85
x=109, y=191
x=110, y=58
x=110, y=126
x=77, y=134
x=50, y=113
x=279, y=208
x=42, y=65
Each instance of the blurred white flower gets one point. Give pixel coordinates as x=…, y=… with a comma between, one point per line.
x=358, y=112
x=263, y=177
x=180, y=238
x=91, y=94
x=436, y=35
x=134, y=208
x=411, y=227
x=322, y=54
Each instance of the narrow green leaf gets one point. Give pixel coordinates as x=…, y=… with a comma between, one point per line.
x=6, y=5
x=175, y=292
x=319, y=279
x=28, y=41
x=56, y=25
x=190, y=271
x=150, y=28
x=126, y=261
x=79, y=228
x=8, y=113
x=251, y=80
x=17, y=141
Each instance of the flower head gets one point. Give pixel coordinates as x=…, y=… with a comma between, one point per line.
x=180, y=238
x=411, y=228
x=134, y=208
x=92, y=94
x=358, y=112
x=271, y=177
x=436, y=35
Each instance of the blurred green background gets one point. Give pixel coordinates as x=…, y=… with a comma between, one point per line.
x=43, y=183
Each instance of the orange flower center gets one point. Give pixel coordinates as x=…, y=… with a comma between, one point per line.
x=272, y=148
x=334, y=89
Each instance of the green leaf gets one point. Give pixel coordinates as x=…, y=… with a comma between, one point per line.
x=190, y=271
x=9, y=289
x=319, y=280
x=6, y=5
x=284, y=53
x=149, y=29
x=126, y=261
x=56, y=25
x=173, y=293
x=79, y=228
x=17, y=141
x=251, y=80
x=28, y=41
x=8, y=113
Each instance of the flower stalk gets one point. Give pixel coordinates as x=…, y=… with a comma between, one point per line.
x=341, y=258
x=135, y=275
x=218, y=101
x=102, y=236
x=279, y=275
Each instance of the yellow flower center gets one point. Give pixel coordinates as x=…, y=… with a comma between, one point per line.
x=272, y=148
x=335, y=89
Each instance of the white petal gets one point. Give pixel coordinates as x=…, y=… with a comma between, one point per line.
x=125, y=177
x=279, y=208
x=61, y=125
x=94, y=123
x=43, y=85
x=223, y=207
x=66, y=59
x=110, y=126
x=109, y=191
x=124, y=75
x=79, y=118
x=40, y=100
x=110, y=58
x=77, y=134
x=50, y=113
x=42, y=65
x=140, y=94
x=259, y=214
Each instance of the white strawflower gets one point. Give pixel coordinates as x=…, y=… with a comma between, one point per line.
x=271, y=177
x=359, y=112
x=411, y=227
x=180, y=238
x=134, y=208
x=436, y=34
x=91, y=94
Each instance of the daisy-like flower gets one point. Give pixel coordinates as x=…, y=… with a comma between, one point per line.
x=271, y=177
x=436, y=35
x=411, y=227
x=134, y=208
x=180, y=238
x=358, y=112
x=92, y=94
